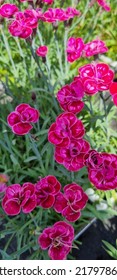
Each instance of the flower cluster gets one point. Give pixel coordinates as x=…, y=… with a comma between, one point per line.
x=20, y=120
x=102, y=170
x=66, y=134
x=71, y=202
x=76, y=48
x=58, y=14
x=24, y=22
x=58, y=239
x=19, y=198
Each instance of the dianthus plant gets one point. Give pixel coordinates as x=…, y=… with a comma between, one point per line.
x=54, y=130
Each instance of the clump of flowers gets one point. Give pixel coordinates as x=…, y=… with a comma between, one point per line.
x=24, y=23
x=57, y=239
x=58, y=14
x=77, y=48
x=20, y=120
x=66, y=133
x=19, y=198
x=71, y=202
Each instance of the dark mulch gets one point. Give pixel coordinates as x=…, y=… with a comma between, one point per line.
x=92, y=246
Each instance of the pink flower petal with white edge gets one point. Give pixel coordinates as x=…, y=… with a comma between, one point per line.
x=59, y=253
x=20, y=108
x=34, y=114
x=21, y=128
x=11, y=207
x=30, y=205
x=13, y=118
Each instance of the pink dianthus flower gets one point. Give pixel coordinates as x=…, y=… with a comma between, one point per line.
x=74, y=49
x=102, y=170
x=46, y=190
x=72, y=157
x=66, y=127
x=8, y=10
x=57, y=239
x=19, y=198
x=42, y=51
x=71, y=202
x=104, y=5
x=20, y=120
x=96, y=77
x=94, y=47
x=69, y=97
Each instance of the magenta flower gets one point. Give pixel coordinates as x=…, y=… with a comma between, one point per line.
x=28, y=18
x=69, y=97
x=93, y=160
x=42, y=51
x=20, y=120
x=104, y=5
x=49, y=2
x=94, y=47
x=72, y=157
x=102, y=170
x=71, y=202
x=74, y=49
x=58, y=239
x=113, y=92
x=96, y=77
x=19, y=198
x=8, y=10
x=54, y=14
x=24, y=23
x=58, y=14
x=17, y=29
x=46, y=190
x=66, y=127
x=72, y=12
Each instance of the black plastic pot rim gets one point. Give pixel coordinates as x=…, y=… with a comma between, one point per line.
x=84, y=229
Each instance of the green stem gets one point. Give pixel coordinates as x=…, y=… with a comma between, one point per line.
x=35, y=150
x=72, y=176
